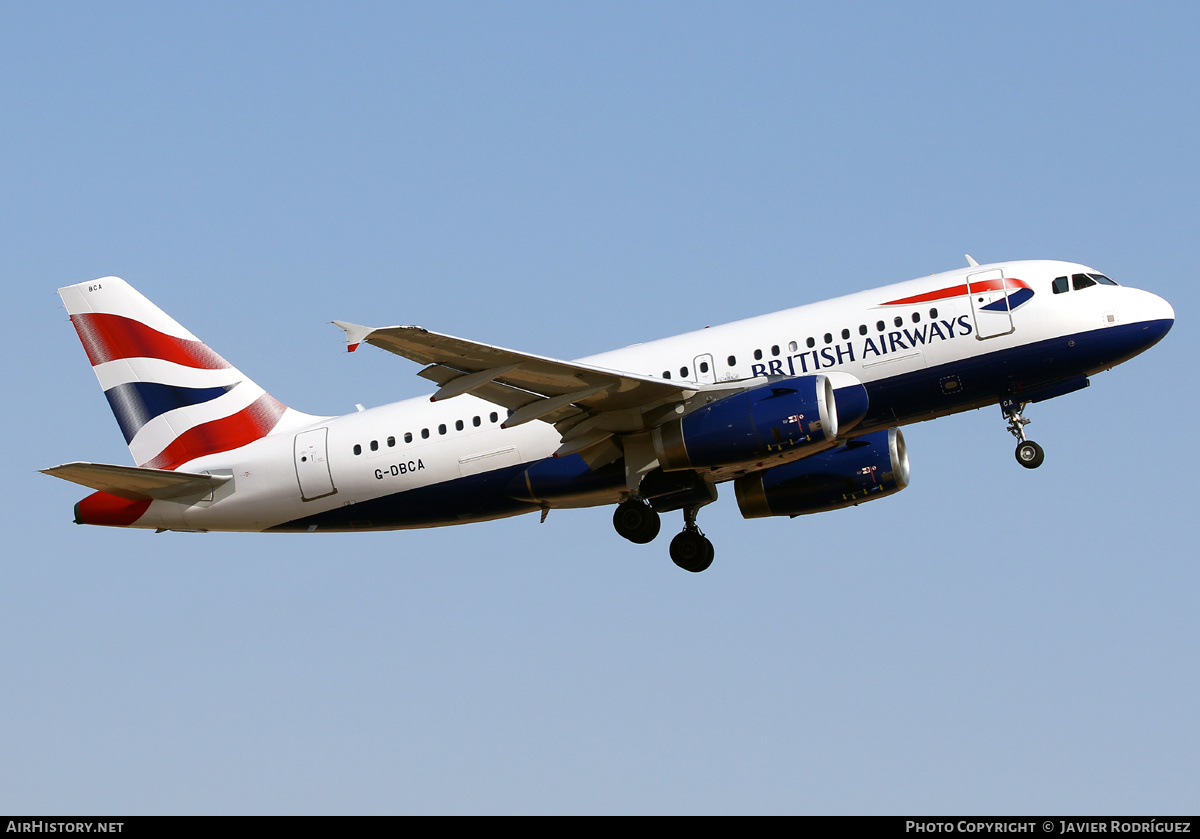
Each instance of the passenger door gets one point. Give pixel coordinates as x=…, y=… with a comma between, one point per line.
x=312, y=465
x=988, y=292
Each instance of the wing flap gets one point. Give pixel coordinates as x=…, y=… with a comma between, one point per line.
x=137, y=483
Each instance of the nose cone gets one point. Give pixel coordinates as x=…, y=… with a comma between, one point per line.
x=1144, y=320
x=1157, y=315
x=1163, y=309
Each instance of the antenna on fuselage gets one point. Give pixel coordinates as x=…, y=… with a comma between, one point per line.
x=971, y=261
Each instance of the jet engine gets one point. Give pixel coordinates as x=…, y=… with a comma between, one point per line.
x=868, y=467
x=790, y=414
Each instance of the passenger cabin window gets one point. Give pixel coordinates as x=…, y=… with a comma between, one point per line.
x=810, y=343
x=424, y=433
x=391, y=442
x=758, y=355
x=408, y=436
x=683, y=372
x=1080, y=281
x=475, y=421
x=828, y=338
x=916, y=317
x=458, y=425
x=792, y=346
x=862, y=330
x=493, y=416
x=374, y=445
x=666, y=375
x=880, y=325
x=1060, y=285
x=357, y=448
x=775, y=350
x=899, y=321
x=933, y=313
x=442, y=428
x=732, y=361
x=703, y=366
x=845, y=334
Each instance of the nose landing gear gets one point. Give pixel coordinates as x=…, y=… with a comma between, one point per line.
x=1029, y=454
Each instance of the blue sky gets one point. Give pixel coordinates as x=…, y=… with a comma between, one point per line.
x=565, y=179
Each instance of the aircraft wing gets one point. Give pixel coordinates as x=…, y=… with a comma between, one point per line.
x=588, y=404
x=137, y=483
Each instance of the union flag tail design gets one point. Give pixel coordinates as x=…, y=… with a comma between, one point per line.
x=173, y=397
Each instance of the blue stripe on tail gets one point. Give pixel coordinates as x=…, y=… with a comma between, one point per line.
x=136, y=403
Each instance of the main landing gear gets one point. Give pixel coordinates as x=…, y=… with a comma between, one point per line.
x=1029, y=454
x=690, y=549
x=638, y=522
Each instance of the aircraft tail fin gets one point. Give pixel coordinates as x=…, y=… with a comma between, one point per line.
x=173, y=397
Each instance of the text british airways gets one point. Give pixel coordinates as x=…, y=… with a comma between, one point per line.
x=871, y=348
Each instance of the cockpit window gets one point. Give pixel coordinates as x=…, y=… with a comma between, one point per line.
x=1081, y=281
x=1060, y=285
x=1100, y=278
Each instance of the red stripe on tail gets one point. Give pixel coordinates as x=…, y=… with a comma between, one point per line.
x=108, y=337
x=247, y=425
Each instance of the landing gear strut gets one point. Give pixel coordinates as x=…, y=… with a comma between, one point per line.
x=1029, y=454
x=637, y=521
x=691, y=550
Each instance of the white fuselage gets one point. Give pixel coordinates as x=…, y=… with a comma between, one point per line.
x=917, y=345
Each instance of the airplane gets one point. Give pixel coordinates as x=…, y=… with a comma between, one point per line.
x=801, y=409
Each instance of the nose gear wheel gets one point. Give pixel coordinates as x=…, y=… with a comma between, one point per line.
x=1029, y=454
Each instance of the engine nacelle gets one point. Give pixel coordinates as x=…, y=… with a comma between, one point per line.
x=868, y=467
x=788, y=414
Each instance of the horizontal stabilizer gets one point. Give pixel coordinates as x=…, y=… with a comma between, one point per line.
x=137, y=483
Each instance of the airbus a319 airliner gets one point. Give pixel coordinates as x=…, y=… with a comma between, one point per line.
x=801, y=409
